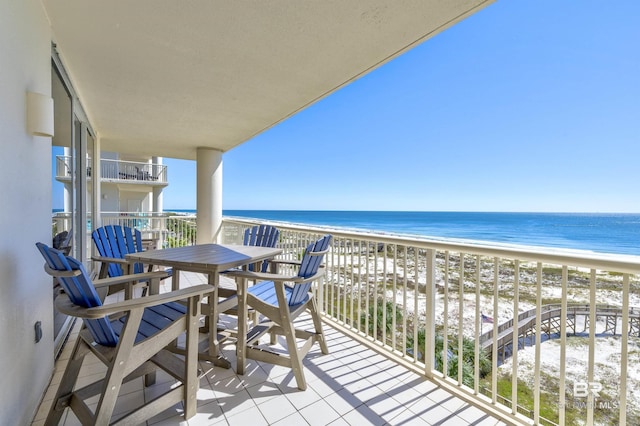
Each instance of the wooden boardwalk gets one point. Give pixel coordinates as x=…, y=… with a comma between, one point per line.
x=550, y=321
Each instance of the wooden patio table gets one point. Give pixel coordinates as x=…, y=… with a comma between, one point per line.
x=211, y=259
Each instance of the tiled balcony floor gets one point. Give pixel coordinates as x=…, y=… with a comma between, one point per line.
x=352, y=385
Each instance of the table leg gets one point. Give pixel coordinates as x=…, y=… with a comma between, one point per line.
x=213, y=315
x=241, y=344
x=214, y=312
x=154, y=287
x=208, y=349
x=175, y=280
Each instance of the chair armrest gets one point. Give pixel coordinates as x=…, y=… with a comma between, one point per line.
x=265, y=276
x=278, y=280
x=285, y=262
x=64, y=304
x=296, y=262
x=105, y=259
x=106, y=282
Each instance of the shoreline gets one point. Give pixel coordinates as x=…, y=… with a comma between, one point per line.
x=600, y=233
x=453, y=240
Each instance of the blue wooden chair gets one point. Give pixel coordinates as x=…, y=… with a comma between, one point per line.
x=262, y=236
x=113, y=243
x=62, y=241
x=131, y=338
x=257, y=236
x=281, y=299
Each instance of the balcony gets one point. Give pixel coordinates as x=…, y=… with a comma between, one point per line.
x=116, y=171
x=352, y=385
x=437, y=319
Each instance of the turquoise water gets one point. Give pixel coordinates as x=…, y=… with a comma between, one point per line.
x=598, y=232
x=606, y=233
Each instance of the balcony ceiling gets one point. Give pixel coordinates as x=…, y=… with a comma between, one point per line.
x=165, y=77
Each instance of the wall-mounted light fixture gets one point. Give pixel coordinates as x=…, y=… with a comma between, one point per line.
x=39, y=114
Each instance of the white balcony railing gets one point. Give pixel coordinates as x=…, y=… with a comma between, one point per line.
x=117, y=171
x=166, y=229
x=421, y=302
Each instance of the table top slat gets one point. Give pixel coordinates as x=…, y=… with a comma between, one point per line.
x=205, y=257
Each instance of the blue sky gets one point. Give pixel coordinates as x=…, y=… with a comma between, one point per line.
x=528, y=105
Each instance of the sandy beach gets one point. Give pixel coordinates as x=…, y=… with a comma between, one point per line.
x=607, y=350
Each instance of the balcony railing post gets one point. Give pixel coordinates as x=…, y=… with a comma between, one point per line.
x=430, y=314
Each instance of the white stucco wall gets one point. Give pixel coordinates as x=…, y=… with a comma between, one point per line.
x=25, y=216
x=131, y=201
x=110, y=198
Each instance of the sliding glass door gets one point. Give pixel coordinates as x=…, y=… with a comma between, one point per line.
x=73, y=146
x=80, y=189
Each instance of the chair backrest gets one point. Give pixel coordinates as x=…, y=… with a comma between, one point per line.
x=62, y=241
x=263, y=236
x=117, y=241
x=311, y=260
x=80, y=290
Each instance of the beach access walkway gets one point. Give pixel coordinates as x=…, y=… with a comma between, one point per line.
x=550, y=320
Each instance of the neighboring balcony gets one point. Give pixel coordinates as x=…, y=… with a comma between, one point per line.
x=116, y=171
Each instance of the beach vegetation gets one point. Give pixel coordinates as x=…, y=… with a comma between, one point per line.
x=379, y=303
x=548, y=401
x=180, y=233
x=381, y=316
x=605, y=411
x=467, y=354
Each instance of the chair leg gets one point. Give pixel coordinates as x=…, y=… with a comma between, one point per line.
x=191, y=382
x=152, y=287
x=116, y=372
x=294, y=355
x=273, y=337
x=313, y=308
x=150, y=379
x=69, y=379
x=285, y=321
x=254, y=317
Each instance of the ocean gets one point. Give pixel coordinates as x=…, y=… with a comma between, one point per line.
x=596, y=232
x=617, y=233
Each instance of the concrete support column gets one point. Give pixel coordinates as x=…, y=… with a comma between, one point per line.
x=96, y=182
x=208, y=194
x=68, y=197
x=157, y=200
